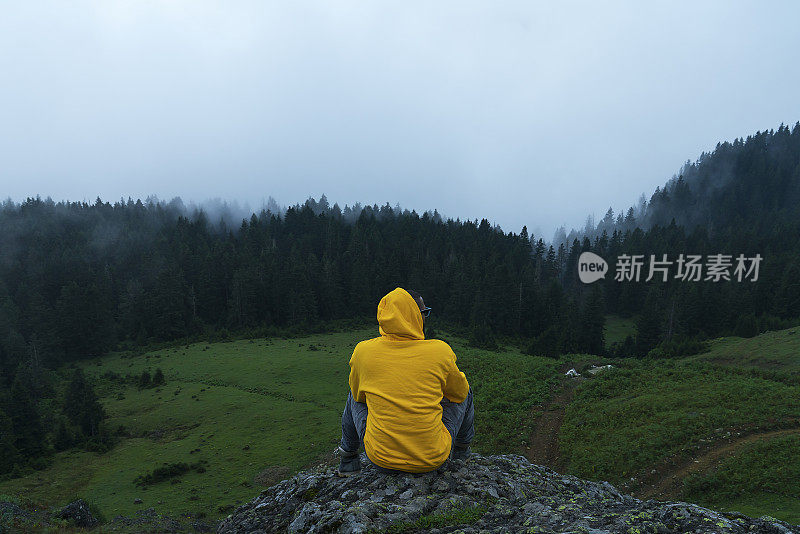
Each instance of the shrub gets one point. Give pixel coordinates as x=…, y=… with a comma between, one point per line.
x=545, y=344
x=158, y=378
x=168, y=471
x=746, y=326
x=481, y=337
x=624, y=349
x=64, y=436
x=144, y=380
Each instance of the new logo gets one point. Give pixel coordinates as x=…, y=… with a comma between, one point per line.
x=591, y=267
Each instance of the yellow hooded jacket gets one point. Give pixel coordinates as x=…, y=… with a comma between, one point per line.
x=402, y=378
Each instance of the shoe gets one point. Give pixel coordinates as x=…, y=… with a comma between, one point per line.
x=461, y=452
x=350, y=464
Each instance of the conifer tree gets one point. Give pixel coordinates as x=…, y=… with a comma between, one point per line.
x=81, y=405
x=29, y=432
x=593, y=338
x=9, y=456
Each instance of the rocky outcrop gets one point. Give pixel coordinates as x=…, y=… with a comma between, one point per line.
x=78, y=513
x=484, y=494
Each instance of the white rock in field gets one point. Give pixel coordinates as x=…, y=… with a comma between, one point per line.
x=595, y=369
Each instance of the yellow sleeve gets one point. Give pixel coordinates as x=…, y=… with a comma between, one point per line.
x=354, y=380
x=456, y=386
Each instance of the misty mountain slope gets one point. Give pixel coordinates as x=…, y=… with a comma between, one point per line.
x=753, y=182
x=740, y=203
x=750, y=184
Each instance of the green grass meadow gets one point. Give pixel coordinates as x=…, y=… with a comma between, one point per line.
x=242, y=415
x=250, y=410
x=762, y=477
x=779, y=351
x=253, y=412
x=645, y=411
x=626, y=420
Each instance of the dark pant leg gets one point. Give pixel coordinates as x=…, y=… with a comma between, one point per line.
x=459, y=419
x=354, y=424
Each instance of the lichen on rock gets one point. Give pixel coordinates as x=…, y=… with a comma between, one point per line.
x=504, y=493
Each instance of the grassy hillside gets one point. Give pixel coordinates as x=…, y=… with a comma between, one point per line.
x=669, y=415
x=771, y=465
x=778, y=351
x=236, y=416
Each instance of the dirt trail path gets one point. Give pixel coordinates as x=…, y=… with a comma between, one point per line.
x=544, y=439
x=667, y=482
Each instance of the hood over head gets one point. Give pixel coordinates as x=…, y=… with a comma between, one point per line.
x=399, y=316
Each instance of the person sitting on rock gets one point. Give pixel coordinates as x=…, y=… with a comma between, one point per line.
x=409, y=404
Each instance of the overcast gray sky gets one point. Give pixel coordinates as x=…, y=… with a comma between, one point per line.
x=535, y=113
